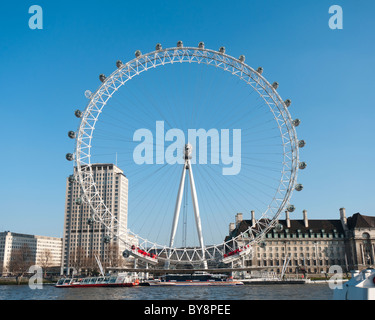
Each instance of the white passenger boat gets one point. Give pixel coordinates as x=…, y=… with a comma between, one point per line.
x=119, y=280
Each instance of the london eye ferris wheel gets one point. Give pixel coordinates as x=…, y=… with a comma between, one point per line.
x=201, y=136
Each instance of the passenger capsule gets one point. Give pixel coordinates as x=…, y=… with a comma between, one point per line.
x=302, y=165
x=78, y=113
x=88, y=94
x=71, y=134
x=90, y=221
x=288, y=102
x=180, y=44
x=260, y=70
x=102, y=77
x=222, y=49
x=201, y=45
x=158, y=47
x=275, y=85
x=138, y=53
x=125, y=254
x=119, y=64
x=69, y=156
x=262, y=244
x=299, y=187
x=242, y=58
x=78, y=201
x=301, y=143
x=279, y=227
x=106, y=239
x=290, y=208
x=296, y=122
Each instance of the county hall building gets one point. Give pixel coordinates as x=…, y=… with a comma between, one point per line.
x=312, y=245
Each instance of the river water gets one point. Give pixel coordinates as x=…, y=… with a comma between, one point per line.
x=245, y=292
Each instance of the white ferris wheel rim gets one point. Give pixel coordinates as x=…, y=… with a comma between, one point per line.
x=161, y=57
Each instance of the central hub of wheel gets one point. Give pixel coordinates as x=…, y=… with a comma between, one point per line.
x=187, y=151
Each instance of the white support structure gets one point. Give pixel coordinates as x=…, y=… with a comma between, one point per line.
x=187, y=166
x=196, y=212
x=178, y=205
x=286, y=262
x=99, y=265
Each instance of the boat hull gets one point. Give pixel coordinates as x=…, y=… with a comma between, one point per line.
x=198, y=283
x=99, y=285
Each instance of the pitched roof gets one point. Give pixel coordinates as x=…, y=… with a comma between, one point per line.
x=316, y=226
x=360, y=221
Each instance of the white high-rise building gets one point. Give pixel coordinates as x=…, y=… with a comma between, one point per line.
x=82, y=240
x=43, y=251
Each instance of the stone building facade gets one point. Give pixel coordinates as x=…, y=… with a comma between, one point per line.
x=312, y=245
x=43, y=251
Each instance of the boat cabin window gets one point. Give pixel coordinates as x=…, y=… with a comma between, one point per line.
x=100, y=279
x=61, y=281
x=112, y=280
x=92, y=280
x=67, y=281
x=106, y=279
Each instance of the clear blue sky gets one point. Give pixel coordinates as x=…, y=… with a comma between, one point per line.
x=328, y=74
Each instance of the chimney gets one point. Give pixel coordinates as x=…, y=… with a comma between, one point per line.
x=231, y=227
x=253, y=221
x=305, y=220
x=343, y=219
x=239, y=218
x=287, y=219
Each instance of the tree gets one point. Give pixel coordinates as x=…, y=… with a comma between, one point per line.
x=20, y=261
x=45, y=260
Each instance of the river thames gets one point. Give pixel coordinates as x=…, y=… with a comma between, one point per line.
x=246, y=292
